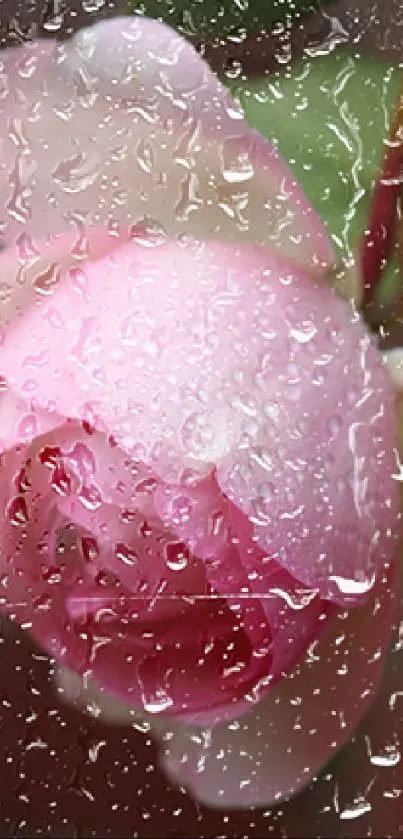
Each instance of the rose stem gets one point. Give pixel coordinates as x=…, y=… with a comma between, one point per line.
x=379, y=238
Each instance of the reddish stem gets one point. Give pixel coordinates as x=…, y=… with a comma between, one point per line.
x=379, y=238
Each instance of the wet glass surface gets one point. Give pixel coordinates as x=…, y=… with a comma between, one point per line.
x=322, y=86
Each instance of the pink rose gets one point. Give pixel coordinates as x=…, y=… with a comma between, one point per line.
x=197, y=435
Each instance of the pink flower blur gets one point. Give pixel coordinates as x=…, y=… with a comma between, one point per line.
x=198, y=437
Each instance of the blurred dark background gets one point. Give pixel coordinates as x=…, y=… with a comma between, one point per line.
x=65, y=775
x=232, y=29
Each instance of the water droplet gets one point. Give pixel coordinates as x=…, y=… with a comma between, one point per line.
x=151, y=347
x=145, y=156
x=127, y=555
x=263, y=457
x=318, y=379
x=27, y=427
x=238, y=170
x=334, y=424
x=346, y=585
x=61, y=481
x=293, y=372
x=261, y=511
x=158, y=703
x=128, y=516
x=352, y=396
x=303, y=332
x=356, y=810
x=46, y=282
x=390, y=755
x=23, y=482
x=341, y=485
x=266, y=491
x=90, y=497
x=91, y=6
x=293, y=392
x=79, y=281
x=250, y=427
x=181, y=509
x=104, y=579
x=335, y=334
x=196, y=435
x=83, y=460
x=49, y=456
x=53, y=22
x=145, y=530
x=17, y=511
x=217, y=521
x=6, y=291
x=53, y=318
x=77, y=173
x=147, y=486
x=52, y=575
x=177, y=556
x=272, y=411
x=89, y=548
x=302, y=426
x=297, y=599
x=246, y=403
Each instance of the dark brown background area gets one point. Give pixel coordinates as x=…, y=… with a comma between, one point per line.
x=374, y=27
x=25, y=18
x=63, y=775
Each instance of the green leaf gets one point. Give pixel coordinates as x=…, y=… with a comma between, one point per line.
x=329, y=119
x=207, y=18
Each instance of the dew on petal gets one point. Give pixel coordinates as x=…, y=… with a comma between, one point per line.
x=177, y=556
x=17, y=511
x=126, y=554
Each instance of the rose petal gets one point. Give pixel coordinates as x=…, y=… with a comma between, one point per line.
x=87, y=696
x=272, y=607
x=19, y=423
x=200, y=668
x=134, y=606
x=34, y=573
x=394, y=362
x=213, y=355
x=278, y=748
x=125, y=123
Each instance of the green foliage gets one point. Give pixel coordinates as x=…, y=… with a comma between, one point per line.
x=329, y=119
